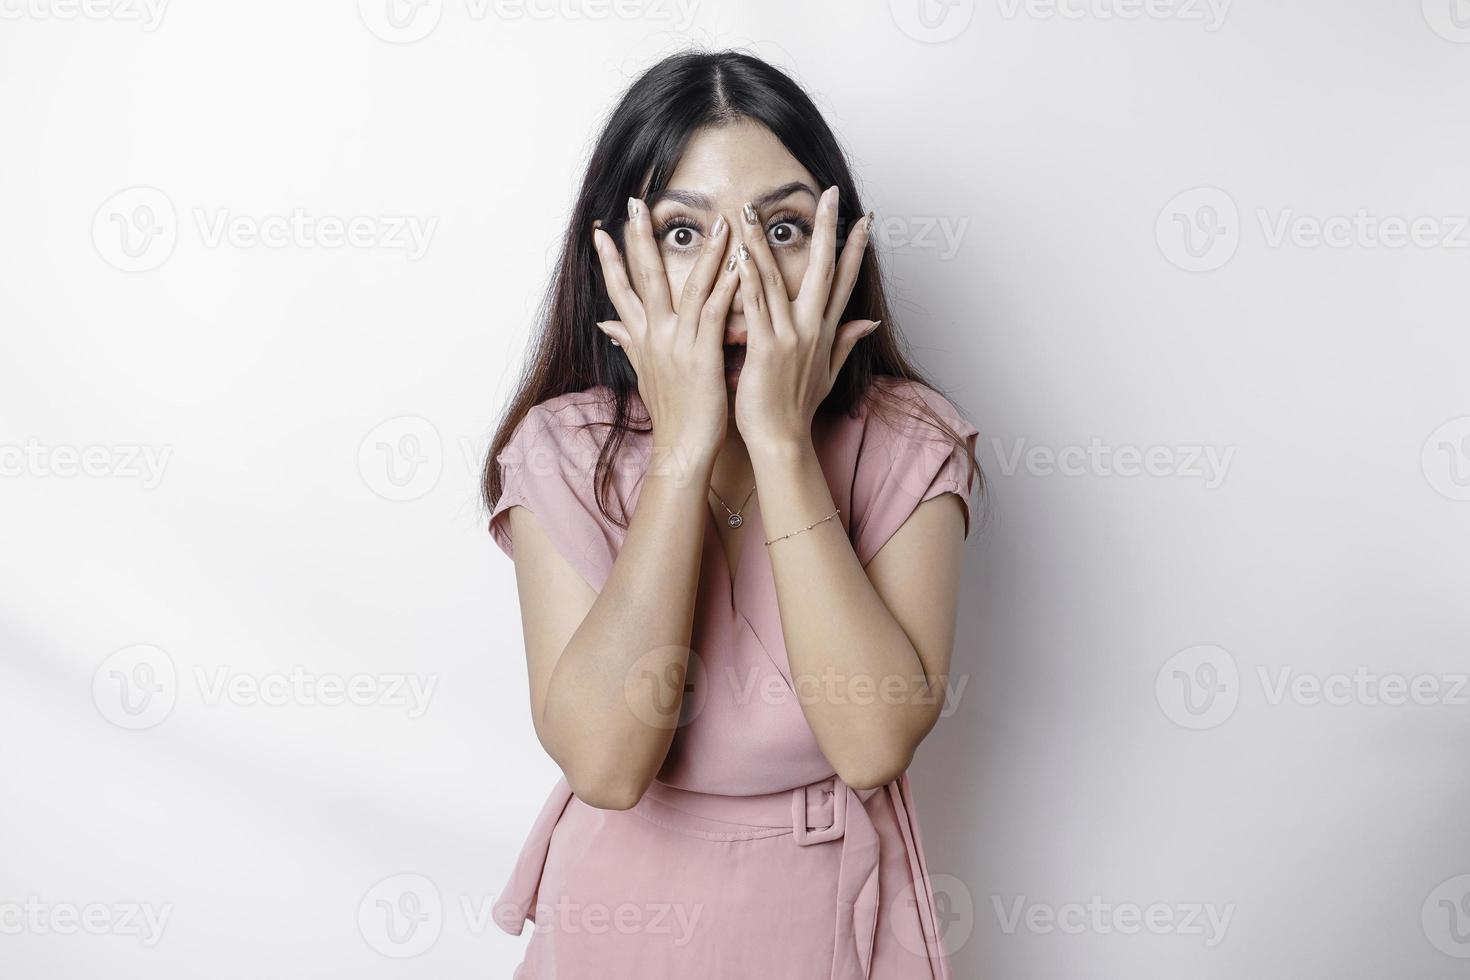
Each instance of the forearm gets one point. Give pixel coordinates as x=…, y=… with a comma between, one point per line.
x=861, y=683
x=613, y=700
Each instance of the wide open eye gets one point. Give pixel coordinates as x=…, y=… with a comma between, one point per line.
x=788, y=230
x=678, y=234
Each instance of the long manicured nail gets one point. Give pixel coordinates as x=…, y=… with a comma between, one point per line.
x=632, y=207
x=869, y=227
x=719, y=226
x=743, y=252
x=730, y=266
x=751, y=218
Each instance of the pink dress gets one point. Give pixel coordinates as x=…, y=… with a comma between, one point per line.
x=747, y=858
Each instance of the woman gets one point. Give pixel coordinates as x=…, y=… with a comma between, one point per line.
x=738, y=515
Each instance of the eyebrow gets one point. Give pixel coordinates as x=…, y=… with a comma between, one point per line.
x=702, y=202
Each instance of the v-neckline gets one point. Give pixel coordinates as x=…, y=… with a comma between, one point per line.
x=732, y=576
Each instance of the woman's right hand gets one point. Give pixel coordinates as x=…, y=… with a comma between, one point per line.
x=678, y=354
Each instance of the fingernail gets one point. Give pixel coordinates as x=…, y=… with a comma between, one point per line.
x=743, y=252
x=719, y=226
x=597, y=223
x=873, y=327
x=632, y=207
x=751, y=218
x=869, y=228
x=836, y=193
x=730, y=266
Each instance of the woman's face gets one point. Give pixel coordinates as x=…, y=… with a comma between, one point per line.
x=722, y=168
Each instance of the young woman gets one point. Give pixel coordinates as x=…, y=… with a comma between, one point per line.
x=738, y=514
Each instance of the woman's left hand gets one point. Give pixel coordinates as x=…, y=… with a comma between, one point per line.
x=795, y=348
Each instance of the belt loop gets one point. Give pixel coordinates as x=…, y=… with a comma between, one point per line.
x=799, y=830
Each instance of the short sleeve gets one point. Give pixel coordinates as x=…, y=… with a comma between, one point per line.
x=548, y=466
x=902, y=463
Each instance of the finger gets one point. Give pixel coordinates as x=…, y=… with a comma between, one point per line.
x=616, y=332
x=773, y=287
x=753, y=299
x=848, y=267
x=645, y=264
x=706, y=268
x=624, y=300
x=717, y=308
x=816, y=284
x=847, y=337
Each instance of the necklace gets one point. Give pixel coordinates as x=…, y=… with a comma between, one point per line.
x=734, y=520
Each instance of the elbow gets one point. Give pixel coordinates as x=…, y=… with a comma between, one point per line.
x=874, y=770
x=606, y=788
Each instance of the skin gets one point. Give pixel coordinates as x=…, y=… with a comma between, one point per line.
x=886, y=631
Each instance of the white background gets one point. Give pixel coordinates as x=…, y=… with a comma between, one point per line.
x=316, y=413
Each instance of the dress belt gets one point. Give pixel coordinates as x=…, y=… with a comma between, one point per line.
x=823, y=812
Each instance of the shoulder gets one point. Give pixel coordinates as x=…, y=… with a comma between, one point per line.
x=902, y=411
x=575, y=421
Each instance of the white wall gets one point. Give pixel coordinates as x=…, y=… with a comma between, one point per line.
x=1324, y=540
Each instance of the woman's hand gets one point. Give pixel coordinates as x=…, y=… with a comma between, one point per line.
x=678, y=354
x=795, y=348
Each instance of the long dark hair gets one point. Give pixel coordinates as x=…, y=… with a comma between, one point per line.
x=635, y=155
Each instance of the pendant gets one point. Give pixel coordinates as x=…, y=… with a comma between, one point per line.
x=735, y=520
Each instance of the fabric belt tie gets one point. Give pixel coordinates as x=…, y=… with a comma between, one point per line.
x=825, y=812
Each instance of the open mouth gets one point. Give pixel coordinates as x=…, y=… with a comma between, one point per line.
x=734, y=357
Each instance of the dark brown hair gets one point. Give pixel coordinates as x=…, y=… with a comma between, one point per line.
x=635, y=155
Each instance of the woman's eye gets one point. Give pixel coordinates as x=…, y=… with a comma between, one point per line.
x=785, y=233
x=679, y=236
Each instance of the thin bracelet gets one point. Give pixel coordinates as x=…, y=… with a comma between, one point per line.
x=807, y=528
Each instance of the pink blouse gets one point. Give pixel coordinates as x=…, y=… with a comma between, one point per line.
x=748, y=857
